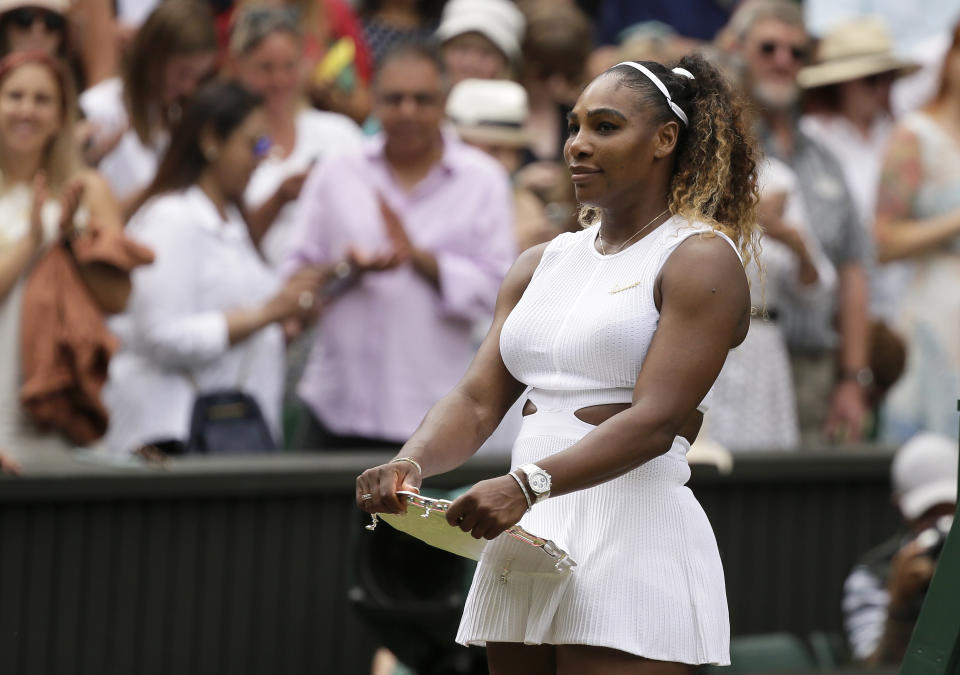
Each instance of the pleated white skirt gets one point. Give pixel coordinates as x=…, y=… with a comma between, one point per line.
x=648, y=582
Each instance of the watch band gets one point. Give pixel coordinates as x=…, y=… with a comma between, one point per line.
x=863, y=376
x=526, y=494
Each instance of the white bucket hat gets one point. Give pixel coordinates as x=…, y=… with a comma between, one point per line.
x=500, y=21
x=854, y=49
x=489, y=111
x=924, y=474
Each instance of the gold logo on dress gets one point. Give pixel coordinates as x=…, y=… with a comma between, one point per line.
x=624, y=288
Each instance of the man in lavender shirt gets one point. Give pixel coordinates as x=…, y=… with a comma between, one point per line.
x=417, y=231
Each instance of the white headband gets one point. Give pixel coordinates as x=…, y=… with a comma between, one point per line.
x=662, y=87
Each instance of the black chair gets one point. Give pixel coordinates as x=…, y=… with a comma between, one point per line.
x=412, y=596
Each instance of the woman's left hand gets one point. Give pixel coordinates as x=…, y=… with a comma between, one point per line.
x=488, y=508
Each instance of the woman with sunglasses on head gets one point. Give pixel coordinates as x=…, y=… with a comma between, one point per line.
x=34, y=25
x=206, y=315
x=616, y=334
x=266, y=53
x=45, y=193
x=173, y=53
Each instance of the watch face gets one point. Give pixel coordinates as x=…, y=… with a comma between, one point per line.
x=538, y=482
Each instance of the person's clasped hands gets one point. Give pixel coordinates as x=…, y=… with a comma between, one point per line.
x=770, y=214
x=70, y=200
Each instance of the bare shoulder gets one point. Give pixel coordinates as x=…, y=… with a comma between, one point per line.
x=706, y=255
x=520, y=274
x=705, y=278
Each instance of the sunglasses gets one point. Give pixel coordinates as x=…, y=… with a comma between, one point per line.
x=25, y=17
x=421, y=99
x=261, y=147
x=797, y=52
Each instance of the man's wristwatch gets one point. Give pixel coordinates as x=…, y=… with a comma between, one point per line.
x=538, y=480
x=863, y=377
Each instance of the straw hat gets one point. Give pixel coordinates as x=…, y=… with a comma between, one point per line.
x=854, y=49
x=489, y=111
x=497, y=20
x=56, y=6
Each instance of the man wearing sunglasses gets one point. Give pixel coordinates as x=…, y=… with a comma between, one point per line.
x=34, y=25
x=827, y=341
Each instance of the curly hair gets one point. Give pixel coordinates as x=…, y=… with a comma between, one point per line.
x=715, y=168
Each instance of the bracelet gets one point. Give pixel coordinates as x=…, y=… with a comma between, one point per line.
x=408, y=459
x=526, y=495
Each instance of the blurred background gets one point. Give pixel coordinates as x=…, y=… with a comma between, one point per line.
x=245, y=245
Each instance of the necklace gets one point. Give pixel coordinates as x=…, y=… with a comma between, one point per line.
x=632, y=237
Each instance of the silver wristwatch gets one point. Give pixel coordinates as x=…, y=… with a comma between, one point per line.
x=538, y=480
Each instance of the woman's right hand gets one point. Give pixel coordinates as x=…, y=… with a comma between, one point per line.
x=298, y=299
x=377, y=487
x=9, y=465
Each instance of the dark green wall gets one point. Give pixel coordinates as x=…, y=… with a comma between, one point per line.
x=240, y=567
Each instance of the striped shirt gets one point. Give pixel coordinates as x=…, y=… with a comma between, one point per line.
x=865, y=598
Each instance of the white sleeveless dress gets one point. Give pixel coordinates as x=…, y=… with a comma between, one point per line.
x=649, y=580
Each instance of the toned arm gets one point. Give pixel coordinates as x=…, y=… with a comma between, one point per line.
x=898, y=234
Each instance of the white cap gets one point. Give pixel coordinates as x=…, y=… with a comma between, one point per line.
x=56, y=6
x=500, y=21
x=489, y=111
x=924, y=474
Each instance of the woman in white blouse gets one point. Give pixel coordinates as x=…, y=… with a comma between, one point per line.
x=206, y=315
x=266, y=53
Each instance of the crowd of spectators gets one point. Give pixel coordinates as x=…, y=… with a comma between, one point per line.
x=331, y=192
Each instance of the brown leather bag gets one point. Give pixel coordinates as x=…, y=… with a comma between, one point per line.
x=65, y=344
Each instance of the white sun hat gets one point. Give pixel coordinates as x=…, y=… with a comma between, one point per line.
x=924, y=473
x=500, y=21
x=489, y=111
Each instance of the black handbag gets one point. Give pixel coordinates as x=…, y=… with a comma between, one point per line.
x=228, y=422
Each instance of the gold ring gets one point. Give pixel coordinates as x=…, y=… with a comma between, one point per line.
x=366, y=497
